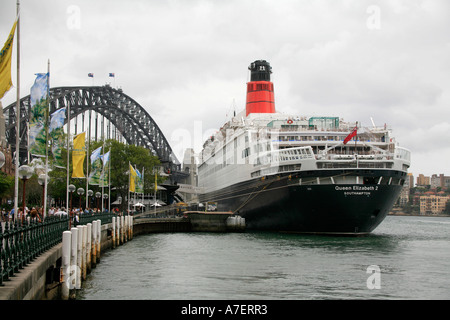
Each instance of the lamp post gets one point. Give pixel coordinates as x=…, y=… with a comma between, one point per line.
x=25, y=173
x=80, y=192
x=105, y=196
x=98, y=195
x=71, y=190
x=41, y=181
x=90, y=193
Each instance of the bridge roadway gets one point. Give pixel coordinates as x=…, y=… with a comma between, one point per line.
x=42, y=278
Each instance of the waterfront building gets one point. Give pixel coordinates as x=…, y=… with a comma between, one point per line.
x=440, y=181
x=404, y=195
x=433, y=204
x=423, y=180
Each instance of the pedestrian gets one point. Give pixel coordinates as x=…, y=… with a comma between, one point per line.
x=76, y=219
x=35, y=215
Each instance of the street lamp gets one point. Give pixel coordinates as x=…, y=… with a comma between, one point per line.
x=25, y=173
x=41, y=181
x=90, y=193
x=105, y=196
x=98, y=195
x=80, y=192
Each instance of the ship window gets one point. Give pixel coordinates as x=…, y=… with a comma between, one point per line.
x=246, y=152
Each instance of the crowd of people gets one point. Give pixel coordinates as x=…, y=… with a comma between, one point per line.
x=35, y=214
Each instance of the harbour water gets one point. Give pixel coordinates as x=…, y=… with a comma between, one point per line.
x=406, y=257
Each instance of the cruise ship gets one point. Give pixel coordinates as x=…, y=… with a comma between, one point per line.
x=300, y=174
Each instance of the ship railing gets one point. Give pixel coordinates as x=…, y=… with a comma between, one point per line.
x=354, y=157
x=285, y=155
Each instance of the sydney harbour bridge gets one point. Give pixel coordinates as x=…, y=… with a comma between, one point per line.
x=127, y=121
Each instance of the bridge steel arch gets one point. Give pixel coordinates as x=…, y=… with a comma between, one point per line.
x=130, y=119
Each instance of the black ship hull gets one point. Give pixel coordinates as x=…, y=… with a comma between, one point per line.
x=282, y=203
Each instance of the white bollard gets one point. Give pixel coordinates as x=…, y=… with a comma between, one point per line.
x=125, y=230
x=65, y=264
x=128, y=228
x=122, y=223
x=83, y=254
x=118, y=231
x=99, y=239
x=88, y=247
x=79, y=256
x=73, y=259
x=113, y=233
x=94, y=244
x=131, y=227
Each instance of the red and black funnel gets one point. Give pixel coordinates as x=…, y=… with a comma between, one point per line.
x=260, y=96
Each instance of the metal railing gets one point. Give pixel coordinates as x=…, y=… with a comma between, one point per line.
x=21, y=243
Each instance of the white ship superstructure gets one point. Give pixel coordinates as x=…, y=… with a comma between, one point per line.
x=271, y=144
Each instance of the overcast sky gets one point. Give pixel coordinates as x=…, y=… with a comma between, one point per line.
x=185, y=61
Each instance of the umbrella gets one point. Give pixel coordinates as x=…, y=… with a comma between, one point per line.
x=138, y=205
x=157, y=203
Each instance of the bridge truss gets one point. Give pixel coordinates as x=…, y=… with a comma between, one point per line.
x=126, y=119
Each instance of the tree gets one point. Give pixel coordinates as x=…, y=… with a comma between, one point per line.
x=6, y=185
x=121, y=156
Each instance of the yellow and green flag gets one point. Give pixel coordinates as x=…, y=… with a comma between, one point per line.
x=5, y=63
x=133, y=176
x=78, y=155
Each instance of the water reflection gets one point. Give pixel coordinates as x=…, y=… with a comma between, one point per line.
x=412, y=254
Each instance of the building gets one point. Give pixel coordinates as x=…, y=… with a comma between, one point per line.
x=411, y=180
x=433, y=204
x=423, y=180
x=404, y=195
x=440, y=181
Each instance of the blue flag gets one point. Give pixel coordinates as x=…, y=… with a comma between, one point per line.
x=38, y=115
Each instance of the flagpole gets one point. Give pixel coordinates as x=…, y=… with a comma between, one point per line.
x=16, y=177
x=129, y=185
x=143, y=184
x=68, y=158
x=87, y=161
x=356, y=139
x=28, y=142
x=44, y=214
x=156, y=188
x=102, y=180
x=87, y=169
x=109, y=181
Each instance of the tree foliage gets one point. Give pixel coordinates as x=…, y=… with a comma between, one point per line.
x=121, y=156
